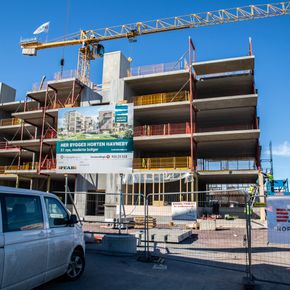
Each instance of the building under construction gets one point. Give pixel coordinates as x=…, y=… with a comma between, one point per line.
x=195, y=128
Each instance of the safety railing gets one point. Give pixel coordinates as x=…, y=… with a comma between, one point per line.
x=50, y=134
x=179, y=162
x=220, y=165
x=48, y=164
x=10, y=122
x=65, y=75
x=57, y=76
x=51, y=106
x=162, y=129
x=24, y=166
x=39, y=86
x=161, y=98
x=157, y=68
x=6, y=146
x=226, y=128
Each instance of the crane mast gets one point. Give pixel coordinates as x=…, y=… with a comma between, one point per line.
x=90, y=39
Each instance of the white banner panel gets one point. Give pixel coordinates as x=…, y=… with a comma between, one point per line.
x=278, y=216
x=96, y=139
x=183, y=210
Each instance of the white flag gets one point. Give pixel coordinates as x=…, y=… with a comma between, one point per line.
x=42, y=28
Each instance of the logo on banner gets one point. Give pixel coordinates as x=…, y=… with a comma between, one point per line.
x=278, y=217
x=282, y=215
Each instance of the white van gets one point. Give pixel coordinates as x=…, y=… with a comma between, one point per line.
x=39, y=239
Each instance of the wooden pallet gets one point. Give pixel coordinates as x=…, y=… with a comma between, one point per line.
x=140, y=222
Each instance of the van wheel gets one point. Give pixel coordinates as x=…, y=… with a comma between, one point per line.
x=76, y=266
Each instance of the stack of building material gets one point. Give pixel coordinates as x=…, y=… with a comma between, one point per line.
x=140, y=222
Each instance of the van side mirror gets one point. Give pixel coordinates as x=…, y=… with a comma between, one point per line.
x=73, y=219
x=59, y=221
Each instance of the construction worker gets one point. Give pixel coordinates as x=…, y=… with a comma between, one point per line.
x=251, y=191
x=248, y=209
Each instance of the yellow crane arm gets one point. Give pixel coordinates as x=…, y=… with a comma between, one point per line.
x=223, y=16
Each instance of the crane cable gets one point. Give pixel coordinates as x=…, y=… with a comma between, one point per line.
x=66, y=26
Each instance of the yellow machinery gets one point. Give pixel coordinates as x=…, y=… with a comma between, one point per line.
x=90, y=39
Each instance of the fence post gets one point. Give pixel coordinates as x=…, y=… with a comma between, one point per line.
x=65, y=190
x=249, y=279
x=146, y=226
x=121, y=202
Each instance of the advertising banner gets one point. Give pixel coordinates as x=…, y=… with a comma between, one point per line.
x=278, y=216
x=183, y=210
x=95, y=139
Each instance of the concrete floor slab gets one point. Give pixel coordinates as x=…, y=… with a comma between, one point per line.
x=224, y=65
x=227, y=135
x=165, y=235
x=226, y=102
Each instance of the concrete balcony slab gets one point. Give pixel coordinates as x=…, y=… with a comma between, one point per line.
x=227, y=135
x=226, y=102
x=179, y=142
x=224, y=65
x=228, y=176
x=165, y=112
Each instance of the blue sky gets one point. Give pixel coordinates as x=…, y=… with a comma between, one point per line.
x=271, y=44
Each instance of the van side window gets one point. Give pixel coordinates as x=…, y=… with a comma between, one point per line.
x=22, y=213
x=57, y=215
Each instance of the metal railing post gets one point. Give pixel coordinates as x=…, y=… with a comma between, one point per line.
x=65, y=190
x=146, y=226
x=249, y=279
x=121, y=202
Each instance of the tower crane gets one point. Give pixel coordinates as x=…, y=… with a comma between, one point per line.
x=90, y=40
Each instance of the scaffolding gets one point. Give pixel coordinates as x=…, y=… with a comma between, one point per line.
x=37, y=122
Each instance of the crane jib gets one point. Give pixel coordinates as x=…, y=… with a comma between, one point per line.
x=89, y=39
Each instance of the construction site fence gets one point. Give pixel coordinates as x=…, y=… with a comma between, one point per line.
x=214, y=228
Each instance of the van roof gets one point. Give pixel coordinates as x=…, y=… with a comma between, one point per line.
x=13, y=190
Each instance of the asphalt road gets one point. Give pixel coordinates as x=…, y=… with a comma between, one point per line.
x=126, y=273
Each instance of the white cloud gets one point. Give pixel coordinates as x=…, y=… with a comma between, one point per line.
x=282, y=149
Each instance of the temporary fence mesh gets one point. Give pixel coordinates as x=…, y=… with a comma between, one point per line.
x=209, y=228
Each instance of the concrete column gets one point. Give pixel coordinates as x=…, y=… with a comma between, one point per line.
x=112, y=197
x=48, y=184
x=17, y=181
x=195, y=180
x=115, y=67
x=262, y=193
x=85, y=183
